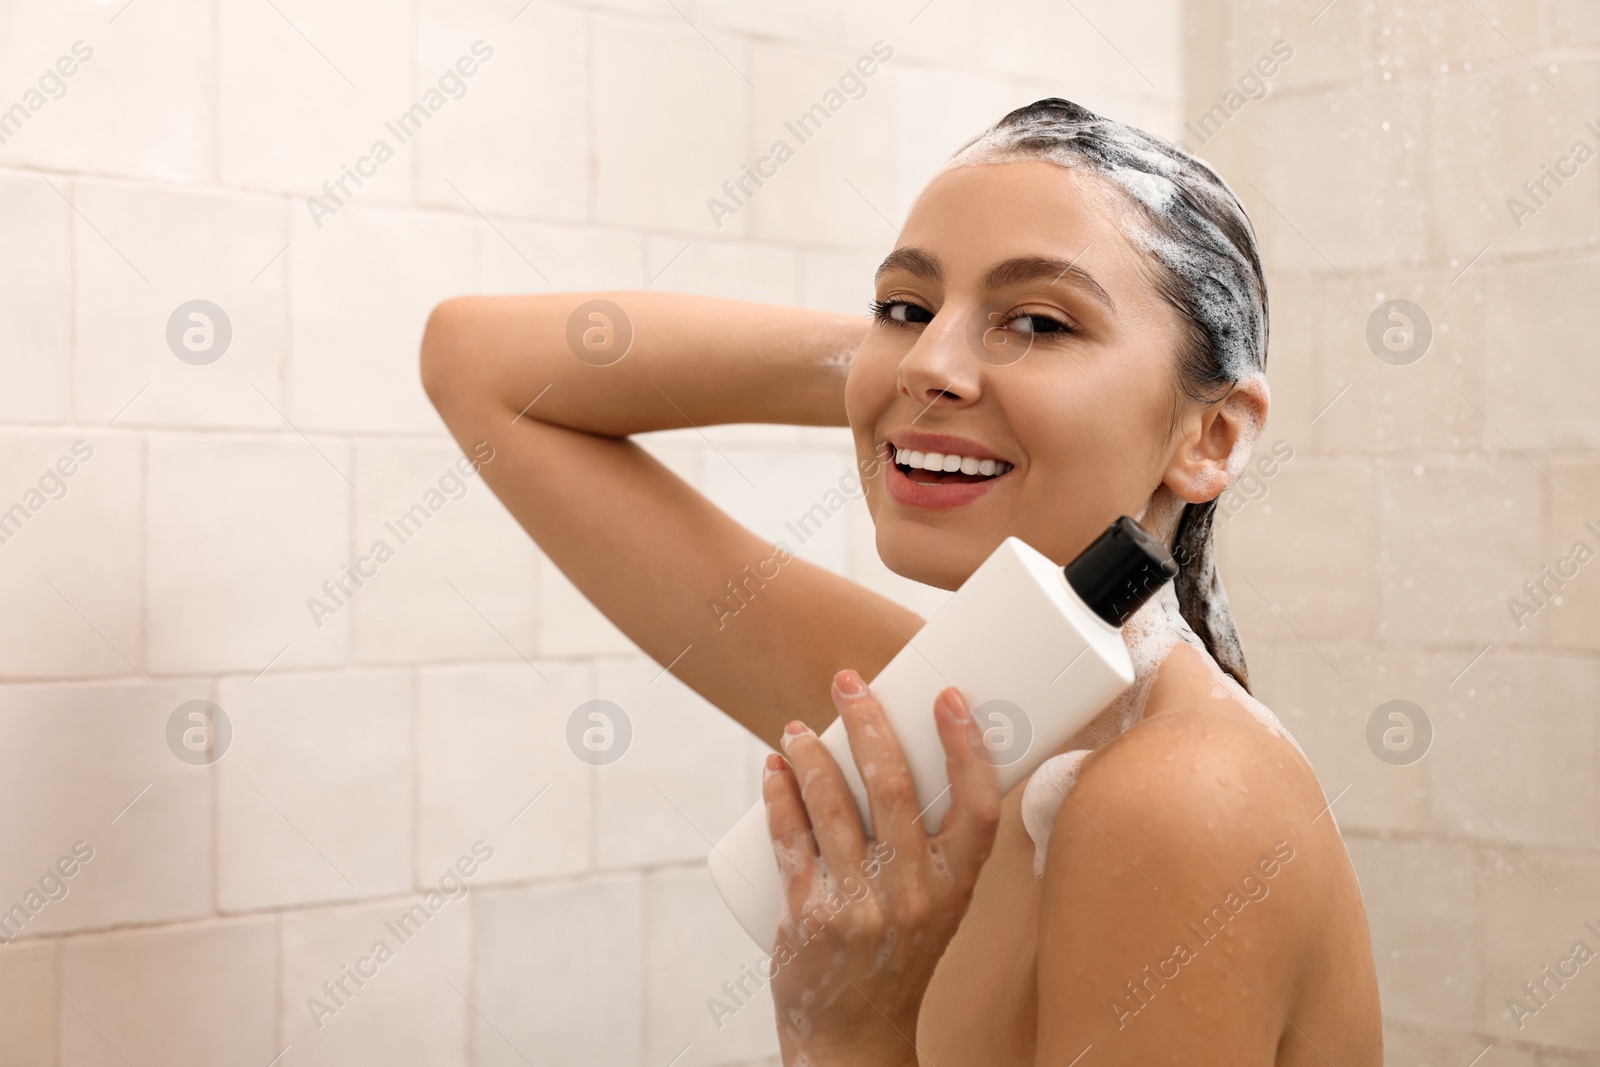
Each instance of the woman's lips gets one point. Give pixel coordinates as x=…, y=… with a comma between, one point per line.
x=936, y=495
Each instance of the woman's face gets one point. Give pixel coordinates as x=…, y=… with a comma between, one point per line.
x=1022, y=327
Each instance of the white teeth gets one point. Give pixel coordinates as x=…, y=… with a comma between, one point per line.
x=943, y=461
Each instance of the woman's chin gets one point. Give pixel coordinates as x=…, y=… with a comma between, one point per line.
x=938, y=558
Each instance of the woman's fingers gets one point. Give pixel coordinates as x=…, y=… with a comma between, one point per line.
x=790, y=828
x=835, y=820
x=967, y=831
x=810, y=806
x=881, y=762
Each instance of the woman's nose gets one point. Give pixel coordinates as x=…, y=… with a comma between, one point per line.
x=941, y=366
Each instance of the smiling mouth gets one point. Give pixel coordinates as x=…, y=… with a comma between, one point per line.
x=937, y=468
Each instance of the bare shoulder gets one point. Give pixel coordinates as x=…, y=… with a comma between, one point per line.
x=1192, y=851
x=1205, y=789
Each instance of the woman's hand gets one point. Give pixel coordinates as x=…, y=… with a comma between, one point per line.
x=867, y=919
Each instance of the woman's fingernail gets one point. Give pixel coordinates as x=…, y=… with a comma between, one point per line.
x=792, y=731
x=955, y=706
x=774, y=765
x=849, y=683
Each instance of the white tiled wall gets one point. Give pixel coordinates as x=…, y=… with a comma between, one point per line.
x=1421, y=497
x=374, y=743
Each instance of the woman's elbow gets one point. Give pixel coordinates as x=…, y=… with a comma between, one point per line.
x=441, y=345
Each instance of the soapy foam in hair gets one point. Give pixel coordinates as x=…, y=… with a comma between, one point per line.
x=1167, y=183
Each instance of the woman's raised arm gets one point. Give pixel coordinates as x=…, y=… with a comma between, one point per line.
x=555, y=383
x=619, y=363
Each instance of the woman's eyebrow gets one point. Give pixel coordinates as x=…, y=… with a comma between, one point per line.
x=925, y=265
x=914, y=261
x=1032, y=268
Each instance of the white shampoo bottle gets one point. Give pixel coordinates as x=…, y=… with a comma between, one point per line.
x=1036, y=649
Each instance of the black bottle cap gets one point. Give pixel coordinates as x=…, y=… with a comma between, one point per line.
x=1123, y=568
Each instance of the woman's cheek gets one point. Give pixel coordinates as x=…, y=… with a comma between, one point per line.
x=869, y=387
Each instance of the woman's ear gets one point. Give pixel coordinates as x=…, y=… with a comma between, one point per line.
x=1215, y=442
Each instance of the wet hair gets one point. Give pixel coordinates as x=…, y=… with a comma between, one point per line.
x=1196, y=233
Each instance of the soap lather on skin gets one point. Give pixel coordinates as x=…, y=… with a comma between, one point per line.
x=1151, y=633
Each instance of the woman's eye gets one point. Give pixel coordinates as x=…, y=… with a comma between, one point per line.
x=904, y=313
x=900, y=313
x=1039, y=324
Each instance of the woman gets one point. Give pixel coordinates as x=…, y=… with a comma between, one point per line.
x=1071, y=327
